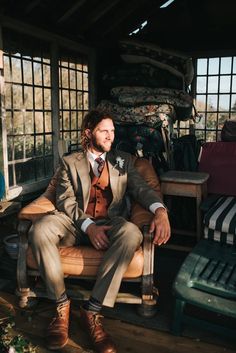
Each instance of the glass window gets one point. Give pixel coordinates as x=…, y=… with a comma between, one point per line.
x=27, y=104
x=74, y=95
x=215, y=95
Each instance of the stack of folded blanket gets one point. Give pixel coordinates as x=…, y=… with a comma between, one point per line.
x=147, y=91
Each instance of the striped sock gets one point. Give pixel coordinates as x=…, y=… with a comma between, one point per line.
x=93, y=305
x=63, y=299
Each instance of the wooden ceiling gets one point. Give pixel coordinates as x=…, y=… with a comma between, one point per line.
x=186, y=25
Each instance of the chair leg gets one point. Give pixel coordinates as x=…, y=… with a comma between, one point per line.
x=149, y=292
x=23, y=288
x=148, y=308
x=178, y=317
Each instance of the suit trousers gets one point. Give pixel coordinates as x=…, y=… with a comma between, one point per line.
x=53, y=230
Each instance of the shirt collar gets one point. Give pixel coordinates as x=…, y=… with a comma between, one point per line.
x=91, y=156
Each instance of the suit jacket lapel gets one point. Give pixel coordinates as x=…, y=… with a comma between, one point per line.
x=83, y=168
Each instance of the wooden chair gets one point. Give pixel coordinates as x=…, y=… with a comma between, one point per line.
x=81, y=263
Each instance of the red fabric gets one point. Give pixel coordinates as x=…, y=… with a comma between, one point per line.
x=219, y=160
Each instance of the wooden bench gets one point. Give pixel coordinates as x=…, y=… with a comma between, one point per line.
x=207, y=277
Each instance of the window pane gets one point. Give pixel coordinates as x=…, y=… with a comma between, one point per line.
x=225, y=65
x=200, y=124
x=85, y=81
x=29, y=123
x=29, y=146
x=213, y=82
x=17, y=97
x=211, y=122
x=233, y=102
x=18, y=123
x=48, y=122
x=16, y=70
x=27, y=69
x=39, y=146
x=225, y=84
x=200, y=102
x=8, y=96
x=234, y=83
x=211, y=136
x=201, y=66
x=38, y=98
x=73, y=121
x=224, y=102
x=73, y=104
x=64, y=78
x=65, y=99
x=72, y=79
x=10, y=149
x=48, y=144
x=19, y=147
x=9, y=123
x=201, y=84
x=80, y=100
x=37, y=74
x=39, y=121
x=47, y=99
x=79, y=80
x=212, y=102
x=46, y=75
x=214, y=66
x=28, y=97
x=25, y=172
x=234, y=65
x=6, y=63
x=86, y=101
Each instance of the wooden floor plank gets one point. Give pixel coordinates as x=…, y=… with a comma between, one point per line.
x=128, y=337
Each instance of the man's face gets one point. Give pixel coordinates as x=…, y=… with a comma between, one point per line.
x=102, y=137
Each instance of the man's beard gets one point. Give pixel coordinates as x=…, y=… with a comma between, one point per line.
x=97, y=146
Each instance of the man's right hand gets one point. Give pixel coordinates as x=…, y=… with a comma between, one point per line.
x=98, y=236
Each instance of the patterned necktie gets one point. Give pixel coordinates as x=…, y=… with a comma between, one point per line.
x=100, y=163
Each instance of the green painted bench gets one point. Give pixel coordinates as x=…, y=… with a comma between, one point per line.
x=206, y=280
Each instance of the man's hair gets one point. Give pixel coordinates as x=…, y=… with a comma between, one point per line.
x=90, y=121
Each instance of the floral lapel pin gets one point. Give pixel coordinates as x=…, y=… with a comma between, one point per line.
x=119, y=163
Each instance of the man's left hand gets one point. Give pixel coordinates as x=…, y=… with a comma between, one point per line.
x=160, y=226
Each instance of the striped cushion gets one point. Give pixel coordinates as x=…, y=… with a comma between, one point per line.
x=220, y=220
x=222, y=237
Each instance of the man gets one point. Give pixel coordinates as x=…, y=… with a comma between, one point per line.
x=90, y=201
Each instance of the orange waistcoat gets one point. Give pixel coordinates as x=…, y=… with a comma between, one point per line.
x=100, y=194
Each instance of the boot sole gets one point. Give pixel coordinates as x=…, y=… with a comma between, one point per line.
x=57, y=347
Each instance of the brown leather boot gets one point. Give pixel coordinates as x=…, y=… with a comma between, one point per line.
x=101, y=340
x=57, y=332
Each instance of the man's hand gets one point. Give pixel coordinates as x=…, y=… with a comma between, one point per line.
x=97, y=236
x=160, y=226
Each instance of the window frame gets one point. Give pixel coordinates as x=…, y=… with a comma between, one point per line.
x=57, y=44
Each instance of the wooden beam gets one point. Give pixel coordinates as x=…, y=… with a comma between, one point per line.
x=97, y=13
x=122, y=15
x=139, y=13
x=70, y=11
x=31, y=6
x=22, y=27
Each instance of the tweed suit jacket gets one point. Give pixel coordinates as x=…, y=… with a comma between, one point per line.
x=74, y=183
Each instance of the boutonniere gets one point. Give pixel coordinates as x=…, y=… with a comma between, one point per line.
x=119, y=162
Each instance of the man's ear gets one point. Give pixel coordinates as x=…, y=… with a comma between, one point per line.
x=88, y=133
